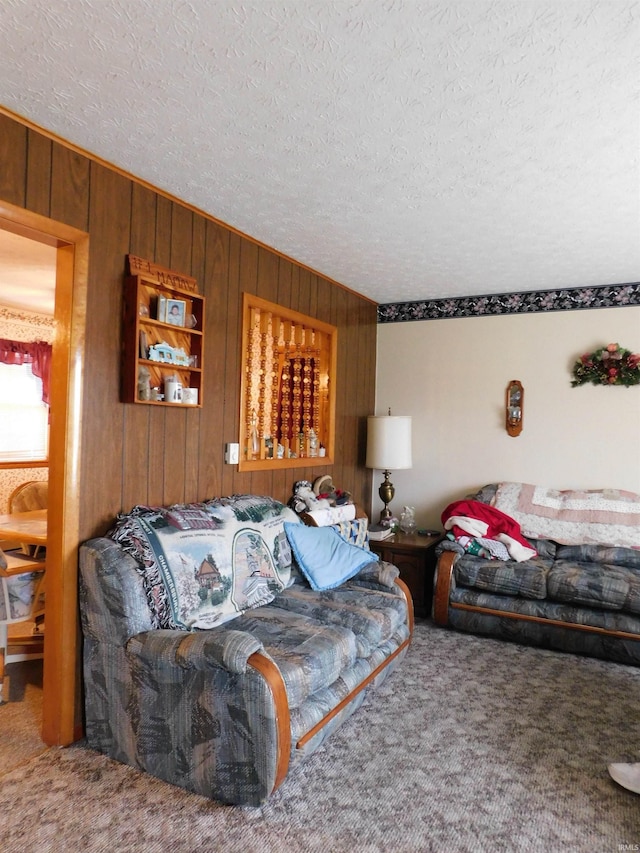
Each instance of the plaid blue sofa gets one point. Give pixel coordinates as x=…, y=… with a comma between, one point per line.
x=225, y=703
x=576, y=597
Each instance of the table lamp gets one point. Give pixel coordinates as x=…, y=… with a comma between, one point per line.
x=388, y=447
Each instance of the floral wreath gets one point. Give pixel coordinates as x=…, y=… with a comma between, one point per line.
x=610, y=365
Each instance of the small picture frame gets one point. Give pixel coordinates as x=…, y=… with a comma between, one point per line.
x=176, y=312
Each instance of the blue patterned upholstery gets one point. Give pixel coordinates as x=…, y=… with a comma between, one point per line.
x=527, y=579
x=194, y=708
x=578, y=598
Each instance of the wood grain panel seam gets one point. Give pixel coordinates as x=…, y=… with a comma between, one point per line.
x=193, y=208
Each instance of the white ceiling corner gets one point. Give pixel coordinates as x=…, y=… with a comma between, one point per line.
x=408, y=149
x=27, y=274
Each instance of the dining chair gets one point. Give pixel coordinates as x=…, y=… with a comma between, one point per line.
x=22, y=580
x=29, y=496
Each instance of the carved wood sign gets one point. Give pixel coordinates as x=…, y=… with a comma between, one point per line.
x=170, y=278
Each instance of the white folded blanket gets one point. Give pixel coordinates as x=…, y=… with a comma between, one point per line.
x=333, y=515
x=573, y=517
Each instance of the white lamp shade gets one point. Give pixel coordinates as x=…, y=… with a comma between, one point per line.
x=388, y=442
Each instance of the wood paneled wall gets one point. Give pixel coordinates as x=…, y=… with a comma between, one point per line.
x=137, y=454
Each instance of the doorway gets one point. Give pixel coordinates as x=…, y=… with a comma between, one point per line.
x=61, y=723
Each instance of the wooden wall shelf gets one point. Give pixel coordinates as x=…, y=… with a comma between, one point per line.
x=145, y=298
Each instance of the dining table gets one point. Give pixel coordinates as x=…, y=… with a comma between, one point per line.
x=22, y=640
x=28, y=528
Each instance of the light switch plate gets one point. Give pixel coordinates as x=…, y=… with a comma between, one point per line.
x=232, y=454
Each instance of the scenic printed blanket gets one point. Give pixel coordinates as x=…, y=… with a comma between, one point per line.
x=206, y=563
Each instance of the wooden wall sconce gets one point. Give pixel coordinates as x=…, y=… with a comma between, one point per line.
x=514, y=407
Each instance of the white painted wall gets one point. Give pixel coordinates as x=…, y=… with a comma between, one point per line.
x=451, y=377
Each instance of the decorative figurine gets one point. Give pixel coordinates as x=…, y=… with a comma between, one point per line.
x=305, y=499
x=144, y=384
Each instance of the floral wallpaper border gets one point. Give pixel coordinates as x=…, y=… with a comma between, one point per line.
x=26, y=326
x=527, y=302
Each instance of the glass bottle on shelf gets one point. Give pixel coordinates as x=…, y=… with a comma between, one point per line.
x=255, y=441
x=408, y=519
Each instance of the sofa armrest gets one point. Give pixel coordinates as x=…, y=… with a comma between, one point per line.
x=201, y=650
x=377, y=574
x=198, y=709
x=113, y=602
x=443, y=583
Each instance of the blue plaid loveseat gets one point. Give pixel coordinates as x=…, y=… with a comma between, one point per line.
x=575, y=596
x=227, y=703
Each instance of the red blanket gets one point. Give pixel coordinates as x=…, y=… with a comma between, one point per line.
x=499, y=526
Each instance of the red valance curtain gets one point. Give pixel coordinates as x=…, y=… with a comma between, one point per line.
x=37, y=354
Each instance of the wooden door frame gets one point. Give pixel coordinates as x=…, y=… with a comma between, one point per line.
x=60, y=723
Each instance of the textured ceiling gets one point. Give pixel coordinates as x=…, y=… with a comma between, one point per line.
x=408, y=149
x=27, y=274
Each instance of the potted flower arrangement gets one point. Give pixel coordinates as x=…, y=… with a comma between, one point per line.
x=609, y=365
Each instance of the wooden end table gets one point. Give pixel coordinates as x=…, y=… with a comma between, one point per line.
x=415, y=556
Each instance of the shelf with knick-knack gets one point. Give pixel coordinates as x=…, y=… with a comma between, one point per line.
x=163, y=335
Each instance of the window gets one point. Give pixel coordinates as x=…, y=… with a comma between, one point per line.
x=24, y=418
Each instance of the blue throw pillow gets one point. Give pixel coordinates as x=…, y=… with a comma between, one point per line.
x=325, y=558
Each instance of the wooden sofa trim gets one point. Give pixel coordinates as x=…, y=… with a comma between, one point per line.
x=319, y=725
x=525, y=617
x=347, y=699
x=441, y=605
x=441, y=590
x=271, y=674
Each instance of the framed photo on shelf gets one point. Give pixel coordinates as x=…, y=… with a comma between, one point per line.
x=176, y=312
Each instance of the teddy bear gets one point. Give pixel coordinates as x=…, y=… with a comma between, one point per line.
x=304, y=498
x=323, y=487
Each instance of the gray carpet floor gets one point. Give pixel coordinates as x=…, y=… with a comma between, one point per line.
x=21, y=715
x=473, y=744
